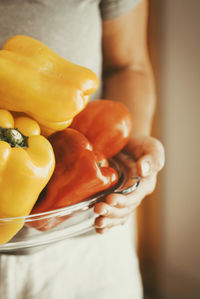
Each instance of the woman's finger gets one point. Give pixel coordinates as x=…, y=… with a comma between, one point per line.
x=147, y=185
x=153, y=158
x=104, y=209
x=106, y=222
x=123, y=201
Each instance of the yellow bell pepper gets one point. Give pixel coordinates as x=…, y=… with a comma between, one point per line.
x=37, y=81
x=26, y=165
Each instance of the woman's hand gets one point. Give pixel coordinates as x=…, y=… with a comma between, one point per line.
x=116, y=208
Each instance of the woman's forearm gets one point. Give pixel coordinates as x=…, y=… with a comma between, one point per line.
x=136, y=89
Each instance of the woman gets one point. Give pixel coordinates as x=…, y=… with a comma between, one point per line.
x=109, y=37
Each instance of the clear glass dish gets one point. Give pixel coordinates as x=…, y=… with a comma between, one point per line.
x=73, y=220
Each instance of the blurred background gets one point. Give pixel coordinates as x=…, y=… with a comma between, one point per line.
x=168, y=221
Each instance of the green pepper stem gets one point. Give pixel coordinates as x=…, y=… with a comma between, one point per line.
x=99, y=164
x=14, y=137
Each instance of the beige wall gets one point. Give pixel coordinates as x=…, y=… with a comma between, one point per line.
x=179, y=92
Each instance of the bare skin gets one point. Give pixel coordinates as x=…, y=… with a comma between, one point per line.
x=128, y=78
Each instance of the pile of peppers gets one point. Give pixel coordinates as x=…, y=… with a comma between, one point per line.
x=69, y=163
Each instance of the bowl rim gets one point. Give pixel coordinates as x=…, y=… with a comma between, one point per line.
x=117, y=163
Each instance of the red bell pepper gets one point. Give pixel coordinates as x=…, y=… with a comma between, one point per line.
x=106, y=124
x=79, y=173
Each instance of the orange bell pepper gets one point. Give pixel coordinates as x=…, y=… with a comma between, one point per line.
x=79, y=173
x=106, y=124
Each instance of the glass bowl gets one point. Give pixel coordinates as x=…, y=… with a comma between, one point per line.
x=73, y=220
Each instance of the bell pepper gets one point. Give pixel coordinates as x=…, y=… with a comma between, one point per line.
x=26, y=165
x=79, y=173
x=37, y=81
x=106, y=124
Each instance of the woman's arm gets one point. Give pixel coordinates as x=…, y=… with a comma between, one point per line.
x=128, y=78
x=128, y=75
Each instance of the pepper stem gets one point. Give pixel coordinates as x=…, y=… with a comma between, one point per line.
x=14, y=137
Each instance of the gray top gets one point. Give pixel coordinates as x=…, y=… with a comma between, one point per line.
x=72, y=28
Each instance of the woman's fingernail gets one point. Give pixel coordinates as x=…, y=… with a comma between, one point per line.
x=103, y=231
x=101, y=225
x=145, y=168
x=103, y=212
